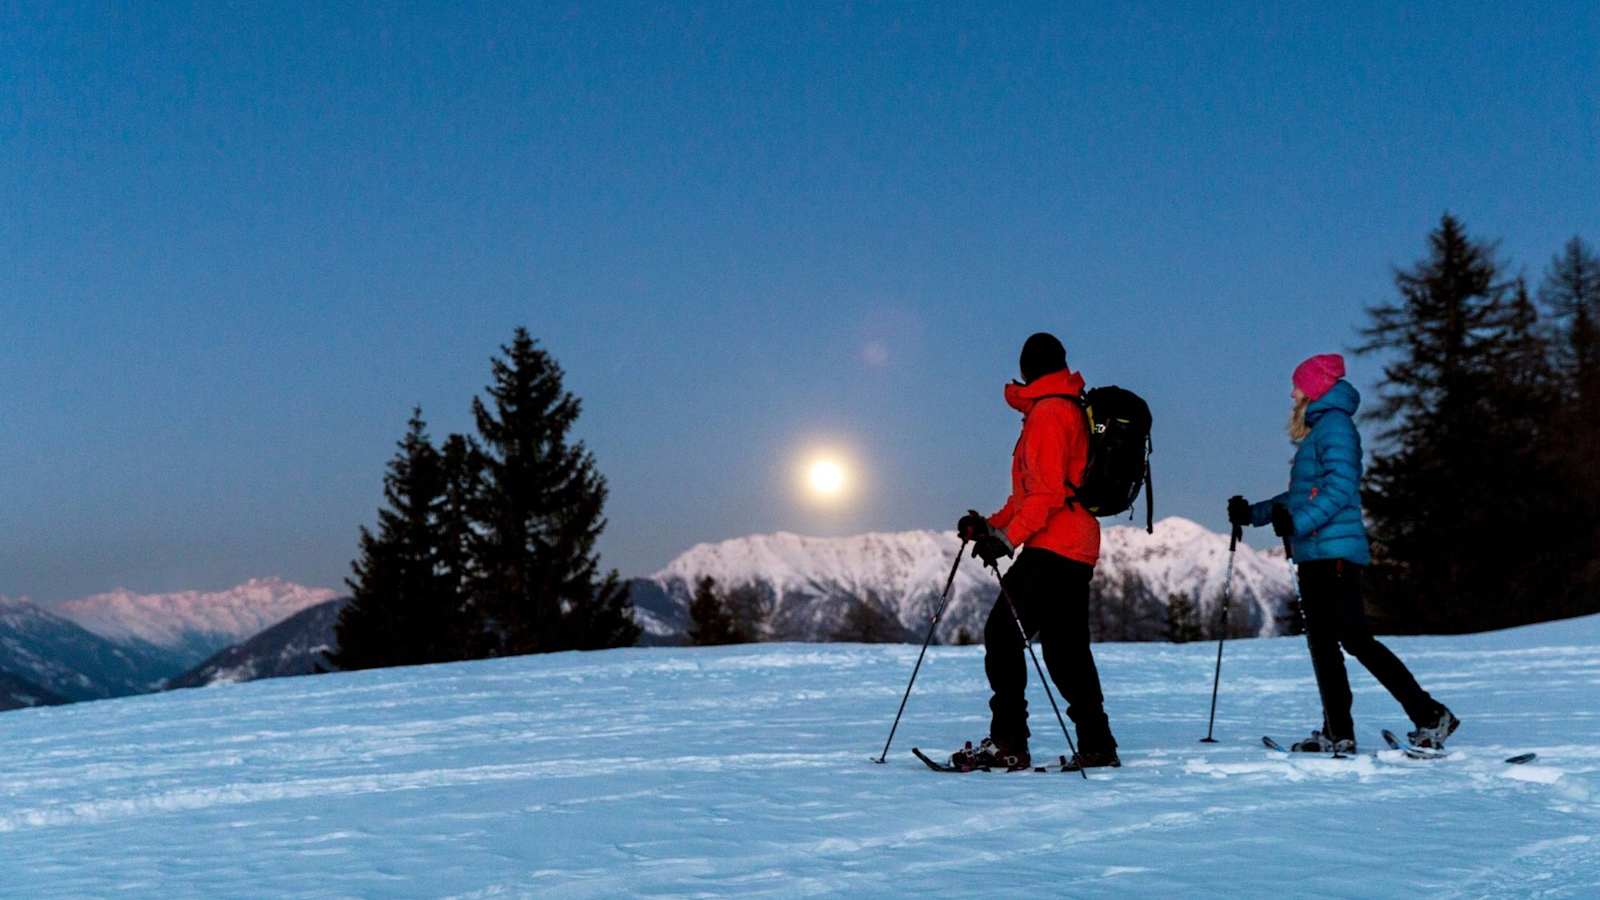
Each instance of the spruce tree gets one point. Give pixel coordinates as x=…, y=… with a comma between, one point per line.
x=866, y=623
x=537, y=582
x=1571, y=292
x=402, y=611
x=709, y=621
x=461, y=470
x=1183, y=620
x=750, y=613
x=1289, y=619
x=1433, y=484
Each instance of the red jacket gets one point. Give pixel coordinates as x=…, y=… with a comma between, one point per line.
x=1052, y=451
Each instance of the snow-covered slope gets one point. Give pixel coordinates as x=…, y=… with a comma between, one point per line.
x=813, y=581
x=739, y=771
x=296, y=646
x=192, y=624
x=68, y=661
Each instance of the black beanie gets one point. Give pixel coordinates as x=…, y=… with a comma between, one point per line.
x=1041, y=355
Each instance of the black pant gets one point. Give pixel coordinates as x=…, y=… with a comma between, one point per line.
x=1051, y=594
x=1330, y=601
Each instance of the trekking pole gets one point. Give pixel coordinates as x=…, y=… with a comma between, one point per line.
x=1227, y=595
x=944, y=599
x=1038, y=668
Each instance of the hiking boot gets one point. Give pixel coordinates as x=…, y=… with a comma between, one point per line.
x=1432, y=736
x=1093, y=759
x=990, y=755
x=1321, y=743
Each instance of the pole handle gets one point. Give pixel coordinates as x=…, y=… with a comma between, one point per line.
x=1233, y=539
x=1288, y=548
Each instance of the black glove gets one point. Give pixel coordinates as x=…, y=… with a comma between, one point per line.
x=1282, y=521
x=991, y=546
x=972, y=526
x=1239, y=511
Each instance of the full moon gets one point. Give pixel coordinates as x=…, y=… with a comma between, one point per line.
x=826, y=478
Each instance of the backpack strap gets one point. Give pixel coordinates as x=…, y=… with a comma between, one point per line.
x=1088, y=437
x=1149, y=500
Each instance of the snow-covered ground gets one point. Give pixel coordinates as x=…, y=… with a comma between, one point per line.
x=745, y=770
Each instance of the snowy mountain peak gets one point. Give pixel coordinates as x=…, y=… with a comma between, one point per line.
x=813, y=580
x=190, y=621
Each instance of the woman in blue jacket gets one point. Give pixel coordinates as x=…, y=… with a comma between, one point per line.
x=1321, y=515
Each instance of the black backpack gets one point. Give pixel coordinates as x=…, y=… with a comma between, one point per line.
x=1119, y=454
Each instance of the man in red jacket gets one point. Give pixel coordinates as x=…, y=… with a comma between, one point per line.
x=1049, y=582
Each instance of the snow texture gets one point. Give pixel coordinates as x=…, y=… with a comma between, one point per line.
x=744, y=771
x=813, y=580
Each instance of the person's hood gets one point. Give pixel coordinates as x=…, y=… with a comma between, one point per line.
x=1022, y=397
x=1343, y=397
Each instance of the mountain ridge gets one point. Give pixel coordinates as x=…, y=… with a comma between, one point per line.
x=296, y=646
x=811, y=582
x=192, y=625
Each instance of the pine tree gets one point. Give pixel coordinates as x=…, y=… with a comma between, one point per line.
x=462, y=471
x=402, y=611
x=1289, y=618
x=1183, y=620
x=1571, y=292
x=1520, y=352
x=750, y=609
x=540, y=511
x=709, y=621
x=866, y=623
x=1430, y=489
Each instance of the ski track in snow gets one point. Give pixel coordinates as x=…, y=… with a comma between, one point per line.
x=744, y=770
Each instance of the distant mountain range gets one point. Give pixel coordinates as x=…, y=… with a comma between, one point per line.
x=65, y=660
x=811, y=583
x=191, y=625
x=121, y=643
x=296, y=646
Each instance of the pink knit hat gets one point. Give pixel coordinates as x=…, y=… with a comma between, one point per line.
x=1317, y=375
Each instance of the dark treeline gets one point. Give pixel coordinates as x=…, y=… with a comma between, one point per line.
x=1128, y=608
x=744, y=614
x=1483, y=493
x=486, y=545
x=1125, y=608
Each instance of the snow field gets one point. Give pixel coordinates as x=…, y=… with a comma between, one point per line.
x=744, y=770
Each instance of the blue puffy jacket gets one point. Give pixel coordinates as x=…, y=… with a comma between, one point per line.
x=1324, y=493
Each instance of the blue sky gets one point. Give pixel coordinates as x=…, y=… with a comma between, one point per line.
x=238, y=244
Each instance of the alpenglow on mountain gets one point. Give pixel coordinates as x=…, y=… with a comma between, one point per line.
x=809, y=584
x=121, y=643
x=49, y=658
x=192, y=625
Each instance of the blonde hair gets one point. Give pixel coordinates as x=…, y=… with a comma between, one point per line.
x=1298, y=429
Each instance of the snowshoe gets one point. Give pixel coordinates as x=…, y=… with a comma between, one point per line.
x=1432, y=737
x=1321, y=743
x=1104, y=759
x=990, y=755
